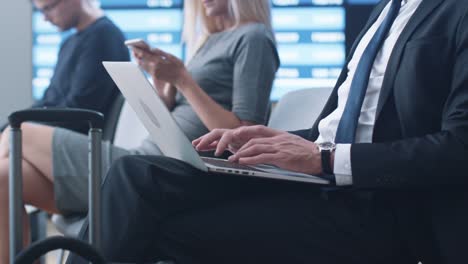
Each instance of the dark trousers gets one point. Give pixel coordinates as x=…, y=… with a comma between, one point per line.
x=157, y=208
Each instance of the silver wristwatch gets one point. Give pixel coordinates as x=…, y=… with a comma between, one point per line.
x=326, y=148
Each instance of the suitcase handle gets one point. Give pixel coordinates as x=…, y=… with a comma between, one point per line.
x=54, y=115
x=40, y=248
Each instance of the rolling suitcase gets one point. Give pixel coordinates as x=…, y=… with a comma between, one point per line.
x=51, y=116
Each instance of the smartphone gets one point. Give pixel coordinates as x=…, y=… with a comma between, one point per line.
x=137, y=43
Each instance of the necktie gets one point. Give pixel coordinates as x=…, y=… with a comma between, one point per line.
x=346, y=131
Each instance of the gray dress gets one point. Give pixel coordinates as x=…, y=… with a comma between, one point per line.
x=236, y=68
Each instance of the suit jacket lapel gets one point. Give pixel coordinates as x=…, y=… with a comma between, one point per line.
x=424, y=10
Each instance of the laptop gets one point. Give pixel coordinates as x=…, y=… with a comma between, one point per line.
x=165, y=132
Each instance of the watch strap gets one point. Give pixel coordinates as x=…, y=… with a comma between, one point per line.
x=326, y=162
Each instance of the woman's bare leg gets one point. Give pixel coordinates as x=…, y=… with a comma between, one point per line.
x=37, y=147
x=4, y=143
x=38, y=187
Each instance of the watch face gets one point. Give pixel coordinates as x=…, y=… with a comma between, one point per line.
x=327, y=146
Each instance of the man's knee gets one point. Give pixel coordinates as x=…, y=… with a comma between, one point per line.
x=126, y=172
x=134, y=167
x=146, y=174
x=125, y=167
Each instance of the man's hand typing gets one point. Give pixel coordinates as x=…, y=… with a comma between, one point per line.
x=232, y=139
x=262, y=145
x=285, y=151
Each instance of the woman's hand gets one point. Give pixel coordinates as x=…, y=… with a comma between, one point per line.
x=162, y=66
x=145, y=58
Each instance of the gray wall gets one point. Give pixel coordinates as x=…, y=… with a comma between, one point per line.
x=15, y=56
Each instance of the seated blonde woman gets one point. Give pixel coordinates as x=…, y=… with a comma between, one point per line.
x=226, y=84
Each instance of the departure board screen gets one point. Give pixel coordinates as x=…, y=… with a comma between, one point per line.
x=363, y=2
x=311, y=37
x=311, y=44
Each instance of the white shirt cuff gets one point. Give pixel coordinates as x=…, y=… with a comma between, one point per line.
x=342, y=165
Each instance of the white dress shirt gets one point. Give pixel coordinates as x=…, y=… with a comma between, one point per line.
x=328, y=126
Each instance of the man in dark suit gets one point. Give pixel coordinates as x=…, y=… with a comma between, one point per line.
x=393, y=134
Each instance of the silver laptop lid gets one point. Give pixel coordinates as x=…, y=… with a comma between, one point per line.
x=153, y=113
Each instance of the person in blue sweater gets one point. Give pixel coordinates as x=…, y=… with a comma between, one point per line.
x=80, y=80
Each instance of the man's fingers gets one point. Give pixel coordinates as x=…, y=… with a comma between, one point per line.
x=228, y=139
x=206, y=140
x=251, y=151
x=213, y=145
x=264, y=158
x=256, y=141
x=210, y=147
x=223, y=143
x=195, y=142
x=248, y=132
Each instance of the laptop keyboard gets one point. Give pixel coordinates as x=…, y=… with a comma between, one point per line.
x=226, y=164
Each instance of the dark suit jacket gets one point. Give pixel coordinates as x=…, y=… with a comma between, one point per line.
x=418, y=159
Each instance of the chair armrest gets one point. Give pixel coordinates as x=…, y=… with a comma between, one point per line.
x=54, y=115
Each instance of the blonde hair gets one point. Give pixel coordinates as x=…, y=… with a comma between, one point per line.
x=198, y=26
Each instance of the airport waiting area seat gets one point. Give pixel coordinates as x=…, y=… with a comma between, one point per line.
x=296, y=110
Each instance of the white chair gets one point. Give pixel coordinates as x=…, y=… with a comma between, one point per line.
x=299, y=109
x=129, y=132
